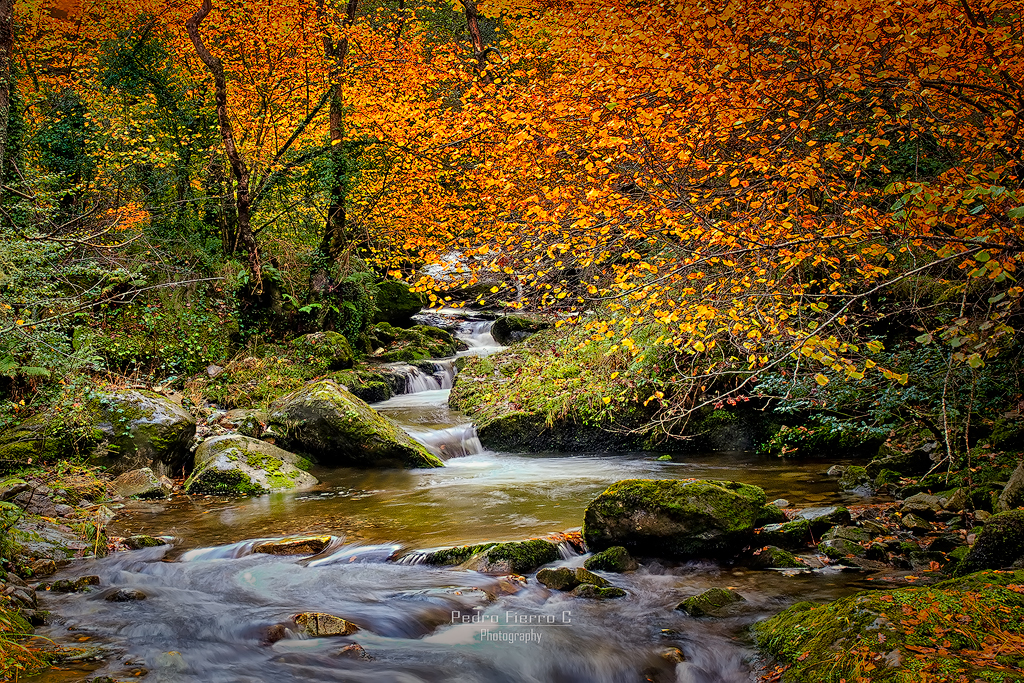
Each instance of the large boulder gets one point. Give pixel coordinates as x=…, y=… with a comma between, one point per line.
x=396, y=303
x=514, y=328
x=420, y=342
x=1000, y=544
x=119, y=430
x=240, y=465
x=330, y=350
x=1013, y=493
x=327, y=422
x=676, y=518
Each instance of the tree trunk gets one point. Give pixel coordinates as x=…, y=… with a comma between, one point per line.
x=6, y=47
x=244, y=239
x=335, y=237
x=473, y=24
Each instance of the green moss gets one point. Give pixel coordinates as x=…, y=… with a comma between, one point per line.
x=396, y=304
x=709, y=602
x=614, y=559
x=457, y=555
x=212, y=481
x=1000, y=544
x=523, y=556
x=904, y=635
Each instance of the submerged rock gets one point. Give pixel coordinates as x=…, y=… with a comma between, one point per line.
x=673, y=518
x=126, y=595
x=82, y=583
x=1000, y=544
x=240, y=465
x=322, y=625
x=329, y=423
x=142, y=541
x=615, y=559
x=589, y=590
x=306, y=545
x=710, y=602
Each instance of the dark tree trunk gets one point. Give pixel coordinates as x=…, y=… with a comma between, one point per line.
x=480, y=51
x=335, y=237
x=244, y=239
x=6, y=47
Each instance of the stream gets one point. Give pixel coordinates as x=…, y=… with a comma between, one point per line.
x=210, y=600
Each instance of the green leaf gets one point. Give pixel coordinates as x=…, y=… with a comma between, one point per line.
x=925, y=338
x=982, y=256
x=975, y=361
x=1017, y=212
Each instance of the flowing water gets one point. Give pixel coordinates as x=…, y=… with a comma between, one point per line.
x=210, y=600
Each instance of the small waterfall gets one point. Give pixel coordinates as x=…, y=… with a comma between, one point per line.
x=477, y=335
x=444, y=372
x=452, y=442
x=416, y=381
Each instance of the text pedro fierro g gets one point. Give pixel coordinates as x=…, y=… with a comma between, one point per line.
x=509, y=618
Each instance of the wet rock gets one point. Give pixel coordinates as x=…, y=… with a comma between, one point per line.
x=143, y=429
x=873, y=527
x=780, y=503
x=82, y=583
x=330, y=350
x=456, y=555
x=904, y=462
x=559, y=579
x=420, y=342
x=1000, y=544
x=354, y=651
x=583, y=576
x=517, y=557
x=835, y=471
x=710, y=602
x=847, y=533
x=772, y=557
x=274, y=633
x=41, y=568
x=854, y=477
x=915, y=524
x=515, y=328
x=140, y=541
x=672, y=655
x=42, y=539
x=823, y=518
x=922, y=505
x=234, y=464
x=337, y=428
x=839, y=548
x=1013, y=493
x=126, y=595
x=589, y=590
x=396, y=303
x=306, y=545
x=672, y=518
x=792, y=535
x=321, y=625
x=945, y=543
x=615, y=559
x=140, y=483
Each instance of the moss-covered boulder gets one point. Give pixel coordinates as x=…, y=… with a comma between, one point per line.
x=516, y=557
x=593, y=592
x=330, y=424
x=675, y=518
x=420, y=342
x=1000, y=544
x=396, y=303
x=330, y=350
x=772, y=557
x=515, y=328
x=710, y=602
x=615, y=559
x=791, y=535
x=933, y=633
x=119, y=430
x=234, y=464
x=140, y=483
x=558, y=578
x=906, y=461
x=456, y=555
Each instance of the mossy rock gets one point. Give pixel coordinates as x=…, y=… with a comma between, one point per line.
x=1000, y=544
x=420, y=342
x=330, y=350
x=710, y=602
x=456, y=555
x=792, y=535
x=330, y=424
x=615, y=559
x=515, y=328
x=240, y=465
x=904, y=461
x=589, y=590
x=119, y=430
x=396, y=303
x=559, y=578
x=902, y=634
x=517, y=557
x=854, y=477
x=674, y=518
x=773, y=557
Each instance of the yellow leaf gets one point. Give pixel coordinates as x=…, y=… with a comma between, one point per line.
x=821, y=379
x=607, y=400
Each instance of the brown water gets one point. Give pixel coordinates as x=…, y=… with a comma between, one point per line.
x=209, y=600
